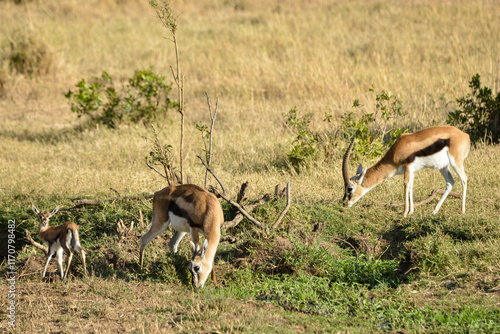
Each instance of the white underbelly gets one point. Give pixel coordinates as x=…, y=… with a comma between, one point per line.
x=179, y=223
x=438, y=160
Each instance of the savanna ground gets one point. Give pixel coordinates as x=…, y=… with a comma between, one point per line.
x=325, y=268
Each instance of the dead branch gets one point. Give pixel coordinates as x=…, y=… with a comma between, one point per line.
x=213, y=115
x=241, y=194
x=237, y=206
x=288, y=201
x=123, y=231
x=211, y=172
x=249, y=208
x=27, y=236
x=229, y=238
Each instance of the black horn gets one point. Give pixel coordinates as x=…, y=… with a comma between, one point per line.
x=345, y=162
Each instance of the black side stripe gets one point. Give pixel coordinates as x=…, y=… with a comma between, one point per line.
x=429, y=150
x=180, y=212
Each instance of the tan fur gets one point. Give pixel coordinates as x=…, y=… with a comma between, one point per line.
x=205, y=214
x=399, y=159
x=62, y=237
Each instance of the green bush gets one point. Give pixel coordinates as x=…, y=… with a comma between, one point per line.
x=305, y=144
x=478, y=113
x=375, y=132
x=145, y=98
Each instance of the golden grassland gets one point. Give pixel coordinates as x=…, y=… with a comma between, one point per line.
x=260, y=59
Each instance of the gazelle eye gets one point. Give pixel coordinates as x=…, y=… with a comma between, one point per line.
x=196, y=268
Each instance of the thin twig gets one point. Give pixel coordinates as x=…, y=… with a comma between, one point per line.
x=288, y=201
x=213, y=115
x=237, y=206
x=28, y=237
x=213, y=174
x=156, y=170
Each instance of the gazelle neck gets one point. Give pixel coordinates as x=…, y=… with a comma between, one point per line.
x=378, y=173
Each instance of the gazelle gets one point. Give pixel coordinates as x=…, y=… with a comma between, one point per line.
x=192, y=209
x=435, y=147
x=60, y=238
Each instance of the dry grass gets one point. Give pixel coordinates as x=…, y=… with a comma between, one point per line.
x=261, y=59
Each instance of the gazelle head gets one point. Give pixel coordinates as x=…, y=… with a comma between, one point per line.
x=44, y=215
x=198, y=266
x=353, y=186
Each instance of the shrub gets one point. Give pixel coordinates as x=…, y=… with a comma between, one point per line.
x=374, y=131
x=145, y=98
x=304, y=146
x=478, y=113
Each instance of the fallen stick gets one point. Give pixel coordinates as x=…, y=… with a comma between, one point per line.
x=238, y=207
x=28, y=237
x=288, y=201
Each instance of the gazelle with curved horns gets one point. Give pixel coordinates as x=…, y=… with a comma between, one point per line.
x=60, y=238
x=435, y=147
x=192, y=209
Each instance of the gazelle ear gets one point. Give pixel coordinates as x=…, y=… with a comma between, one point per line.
x=35, y=209
x=205, y=247
x=54, y=211
x=362, y=176
x=360, y=169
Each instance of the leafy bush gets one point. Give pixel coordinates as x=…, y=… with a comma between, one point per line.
x=374, y=131
x=145, y=98
x=478, y=113
x=306, y=142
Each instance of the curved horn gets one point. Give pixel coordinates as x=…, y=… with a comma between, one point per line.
x=345, y=162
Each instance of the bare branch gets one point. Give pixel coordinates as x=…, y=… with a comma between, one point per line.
x=27, y=236
x=288, y=201
x=213, y=115
x=211, y=172
x=237, y=206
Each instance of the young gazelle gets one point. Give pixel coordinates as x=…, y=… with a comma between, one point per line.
x=192, y=209
x=60, y=238
x=435, y=147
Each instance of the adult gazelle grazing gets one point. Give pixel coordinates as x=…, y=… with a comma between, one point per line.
x=435, y=147
x=192, y=209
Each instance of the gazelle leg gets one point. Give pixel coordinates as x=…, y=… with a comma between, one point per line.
x=449, y=185
x=153, y=231
x=50, y=254
x=70, y=257
x=463, y=177
x=60, y=261
x=82, y=255
x=408, y=176
x=175, y=240
x=213, y=275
